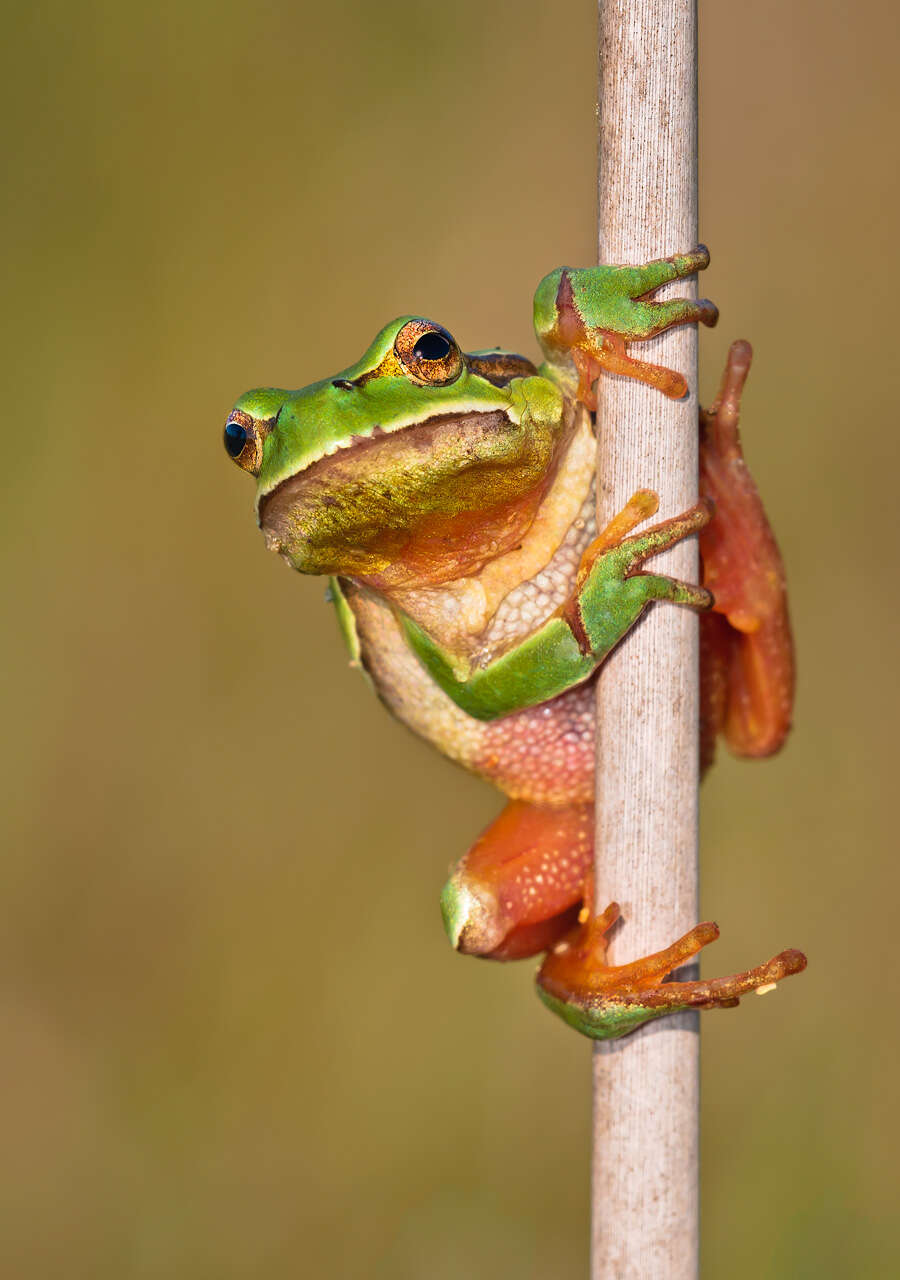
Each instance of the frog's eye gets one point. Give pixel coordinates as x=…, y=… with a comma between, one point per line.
x=243, y=441
x=428, y=354
x=433, y=346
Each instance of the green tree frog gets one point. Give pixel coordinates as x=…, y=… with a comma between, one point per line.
x=450, y=498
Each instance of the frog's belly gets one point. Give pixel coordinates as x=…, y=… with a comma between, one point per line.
x=544, y=754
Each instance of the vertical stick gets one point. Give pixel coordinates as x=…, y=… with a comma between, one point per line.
x=646, y=1087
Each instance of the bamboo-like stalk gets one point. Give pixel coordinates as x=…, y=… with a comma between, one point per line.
x=646, y=1087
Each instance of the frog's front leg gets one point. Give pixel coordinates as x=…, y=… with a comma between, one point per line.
x=611, y=592
x=607, y=1001
x=585, y=316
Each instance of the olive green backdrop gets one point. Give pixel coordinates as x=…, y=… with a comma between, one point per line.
x=234, y=1040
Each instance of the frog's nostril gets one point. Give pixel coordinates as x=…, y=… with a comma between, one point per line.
x=343, y=384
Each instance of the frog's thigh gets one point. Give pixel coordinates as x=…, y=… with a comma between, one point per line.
x=518, y=888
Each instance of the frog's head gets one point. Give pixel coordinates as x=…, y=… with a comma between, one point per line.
x=416, y=465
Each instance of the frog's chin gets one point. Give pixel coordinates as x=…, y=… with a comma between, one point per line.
x=420, y=506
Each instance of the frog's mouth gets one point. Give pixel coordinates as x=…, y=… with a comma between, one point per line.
x=425, y=504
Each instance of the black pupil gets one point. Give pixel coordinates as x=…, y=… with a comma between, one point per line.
x=432, y=346
x=235, y=439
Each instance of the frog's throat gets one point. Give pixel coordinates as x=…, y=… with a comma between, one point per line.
x=459, y=613
x=426, y=504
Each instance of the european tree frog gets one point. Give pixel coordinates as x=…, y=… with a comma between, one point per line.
x=450, y=497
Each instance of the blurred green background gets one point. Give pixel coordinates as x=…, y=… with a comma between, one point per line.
x=234, y=1040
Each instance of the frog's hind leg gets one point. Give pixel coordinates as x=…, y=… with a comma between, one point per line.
x=518, y=889
x=747, y=657
x=607, y=1001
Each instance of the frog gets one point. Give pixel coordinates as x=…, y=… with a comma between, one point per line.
x=449, y=498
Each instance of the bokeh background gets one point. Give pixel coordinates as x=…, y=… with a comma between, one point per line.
x=233, y=1040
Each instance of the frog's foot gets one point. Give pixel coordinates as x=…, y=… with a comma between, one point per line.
x=628, y=554
x=611, y=589
x=517, y=890
x=589, y=314
x=607, y=1001
x=747, y=658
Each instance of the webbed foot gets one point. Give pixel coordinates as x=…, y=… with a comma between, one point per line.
x=607, y=1001
x=587, y=315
